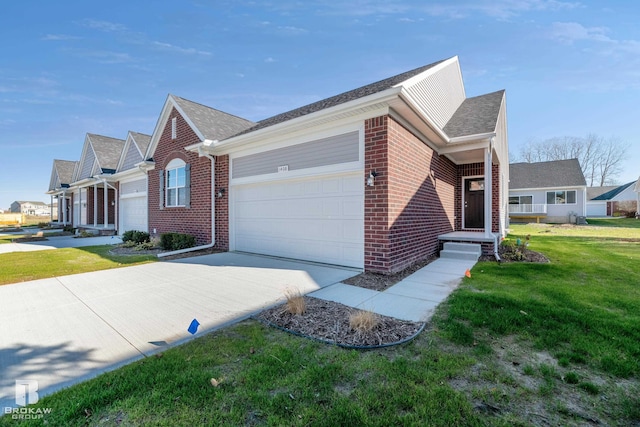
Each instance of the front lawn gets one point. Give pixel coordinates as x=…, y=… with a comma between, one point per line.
x=516, y=344
x=22, y=266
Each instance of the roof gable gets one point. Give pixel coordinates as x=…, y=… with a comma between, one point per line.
x=133, y=151
x=206, y=122
x=62, y=173
x=613, y=192
x=100, y=154
x=553, y=174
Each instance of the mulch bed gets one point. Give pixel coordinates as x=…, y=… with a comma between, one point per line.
x=28, y=239
x=122, y=250
x=328, y=321
x=380, y=282
x=507, y=254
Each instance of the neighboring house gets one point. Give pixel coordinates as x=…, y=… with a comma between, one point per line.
x=29, y=208
x=636, y=189
x=59, y=189
x=131, y=175
x=607, y=201
x=554, y=191
x=373, y=178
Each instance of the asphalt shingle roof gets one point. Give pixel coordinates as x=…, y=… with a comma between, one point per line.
x=340, y=99
x=64, y=169
x=213, y=124
x=475, y=115
x=613, y=192
x=108, y=150
x=553, y=174
x=142, y=140
x=593, y=192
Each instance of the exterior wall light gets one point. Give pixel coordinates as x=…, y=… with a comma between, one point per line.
x=371, y=179
x=220, y=193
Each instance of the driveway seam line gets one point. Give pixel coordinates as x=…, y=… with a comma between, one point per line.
x=100, y=317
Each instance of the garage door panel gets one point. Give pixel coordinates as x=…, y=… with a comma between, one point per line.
x=318, y=220
x=133, y=214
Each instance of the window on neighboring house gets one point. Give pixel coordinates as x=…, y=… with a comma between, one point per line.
x=520, y=200
x=173, y=128
x=565, y=197
x=175, y=185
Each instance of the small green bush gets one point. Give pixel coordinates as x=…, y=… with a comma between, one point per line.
x=136, y=237
x=176, y=241
x=69, y=229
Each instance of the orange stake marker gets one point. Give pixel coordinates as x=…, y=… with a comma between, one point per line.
x=467, y=273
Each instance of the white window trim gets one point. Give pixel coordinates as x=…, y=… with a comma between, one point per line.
x=174, y=164
x=546, y=195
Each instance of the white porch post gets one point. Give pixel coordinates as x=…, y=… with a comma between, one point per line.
x=95, y=205
x=51, y=208
x=106, y=205
x=63, y=202
x=488, y=189
x=80, y=206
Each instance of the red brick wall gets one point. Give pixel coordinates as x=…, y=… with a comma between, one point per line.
x=477, y=169
x=195, y=220
x=412, y=201
x=222, y=204
x=100, y=194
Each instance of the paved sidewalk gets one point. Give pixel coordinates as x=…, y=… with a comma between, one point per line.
x=58, y=242
x=414, y=298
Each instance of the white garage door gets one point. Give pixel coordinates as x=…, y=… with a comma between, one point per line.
x=133, y=214
x=319, y=219
x=597, y=209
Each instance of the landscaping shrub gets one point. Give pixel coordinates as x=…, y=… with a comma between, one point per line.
x=176, y=241
x=136, y=237
x=69, y=229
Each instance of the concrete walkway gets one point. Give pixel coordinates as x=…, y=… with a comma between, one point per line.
x=63, y=330
x=58, y=242
x=414, y=298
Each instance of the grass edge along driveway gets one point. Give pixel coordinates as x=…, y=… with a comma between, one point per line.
x=18, y=267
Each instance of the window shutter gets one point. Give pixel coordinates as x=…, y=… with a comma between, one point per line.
x=161, y=187
x=187, y=185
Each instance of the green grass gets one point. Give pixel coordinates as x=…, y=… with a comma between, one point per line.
x=23, y=266
x=476, y=365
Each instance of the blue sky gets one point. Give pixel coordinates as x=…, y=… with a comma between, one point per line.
x=72, y=67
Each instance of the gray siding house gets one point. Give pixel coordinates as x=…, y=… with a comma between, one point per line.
x=554, y=192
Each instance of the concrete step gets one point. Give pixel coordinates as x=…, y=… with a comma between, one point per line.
x=449, y=254
x=463, y=247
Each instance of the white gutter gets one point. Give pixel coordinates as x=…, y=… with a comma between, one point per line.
x=201, y=153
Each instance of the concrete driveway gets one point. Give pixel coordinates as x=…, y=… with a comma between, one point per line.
x=58, y=242
x=63, y=330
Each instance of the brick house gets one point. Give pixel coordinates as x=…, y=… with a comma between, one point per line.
x=374, y=178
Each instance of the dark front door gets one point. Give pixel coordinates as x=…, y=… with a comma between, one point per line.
x=474, y=203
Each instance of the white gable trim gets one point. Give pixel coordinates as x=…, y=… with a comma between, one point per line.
x=87, y=146
x=169, y=104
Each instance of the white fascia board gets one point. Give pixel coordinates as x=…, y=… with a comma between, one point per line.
x=307, y=120
x=472, y=144
x=145, y=166
x=84, y=183
x=411, y=81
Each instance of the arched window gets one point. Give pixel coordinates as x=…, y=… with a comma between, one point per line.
x=175, y=184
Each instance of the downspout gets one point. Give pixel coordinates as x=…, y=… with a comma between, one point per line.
x=201, y=153
x=490, y=176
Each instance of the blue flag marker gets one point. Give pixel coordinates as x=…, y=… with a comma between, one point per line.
x=193, y=327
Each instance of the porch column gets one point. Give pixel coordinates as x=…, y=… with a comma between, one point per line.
x=63, y=202
x=95, y=205
x=79, y=221
x=106, y=205
x=488, y=189
x=51, y=208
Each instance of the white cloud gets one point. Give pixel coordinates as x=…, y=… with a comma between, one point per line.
x=58, y=37
x=572, y=32
x=501, y=9
x=178, y=49
x=269, y=60
x=292, y=30
x=106, y=26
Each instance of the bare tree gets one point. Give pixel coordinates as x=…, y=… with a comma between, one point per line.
x=601, y=159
